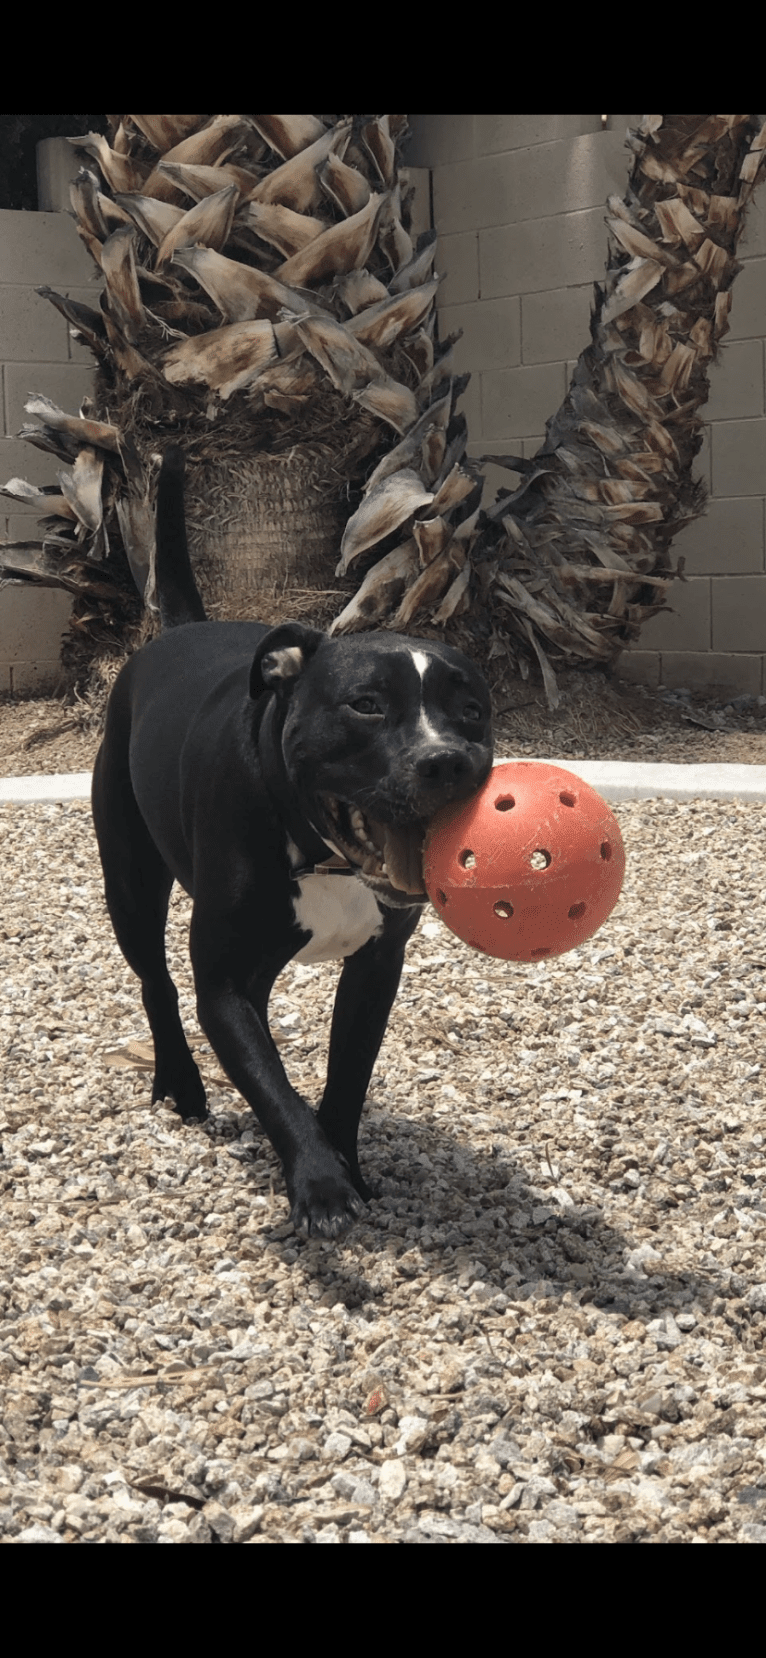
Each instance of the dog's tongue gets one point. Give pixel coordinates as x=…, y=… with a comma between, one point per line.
x=403, y=853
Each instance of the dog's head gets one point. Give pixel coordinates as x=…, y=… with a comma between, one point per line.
x=378, y=732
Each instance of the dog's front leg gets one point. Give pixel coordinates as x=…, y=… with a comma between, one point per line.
x=365, y=996
x=323, y=1201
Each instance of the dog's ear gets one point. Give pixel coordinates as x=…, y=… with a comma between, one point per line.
x=282, y=656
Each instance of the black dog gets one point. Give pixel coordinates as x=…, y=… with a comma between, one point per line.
x=285, y=779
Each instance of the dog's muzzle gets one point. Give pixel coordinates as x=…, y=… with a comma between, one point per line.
x=388, y=856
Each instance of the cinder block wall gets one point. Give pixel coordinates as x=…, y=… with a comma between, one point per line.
x=36, y=355
x=519, y=204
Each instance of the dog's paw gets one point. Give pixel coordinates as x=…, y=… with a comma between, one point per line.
x=188, y=1096
x=324, y=1205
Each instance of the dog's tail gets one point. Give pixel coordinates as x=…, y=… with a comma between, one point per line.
x=175, y=587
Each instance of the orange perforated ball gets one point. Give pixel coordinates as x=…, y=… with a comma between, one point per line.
x=529, y=867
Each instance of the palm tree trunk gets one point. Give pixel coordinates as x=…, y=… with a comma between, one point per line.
x=266, y=305
x=578, y=557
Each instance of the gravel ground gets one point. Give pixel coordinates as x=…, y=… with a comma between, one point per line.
x=550, y=1326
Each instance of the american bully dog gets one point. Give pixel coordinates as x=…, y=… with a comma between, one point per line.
x=285, y=779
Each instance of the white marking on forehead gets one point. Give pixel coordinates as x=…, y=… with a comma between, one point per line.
x=422, y=662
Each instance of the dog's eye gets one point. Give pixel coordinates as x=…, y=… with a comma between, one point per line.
x=365, y=705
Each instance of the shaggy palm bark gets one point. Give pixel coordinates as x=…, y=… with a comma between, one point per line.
x=265, y=305
x=578, y=556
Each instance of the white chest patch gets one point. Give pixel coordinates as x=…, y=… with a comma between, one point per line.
x=339, y=911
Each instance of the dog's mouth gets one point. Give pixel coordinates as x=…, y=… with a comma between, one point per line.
x=386, y=854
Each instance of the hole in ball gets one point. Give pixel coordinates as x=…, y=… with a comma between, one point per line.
x=544, y=950
x=566, y=798
x=467, y=859
x=505, y=803
x=442, y=896
x=606, y=851
x=504, y=910
x=541, y=859
x=576, y=911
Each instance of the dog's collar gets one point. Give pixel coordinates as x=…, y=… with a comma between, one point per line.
x=316, y=859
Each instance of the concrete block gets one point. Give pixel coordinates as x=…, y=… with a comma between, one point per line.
x=64, y=383
x=566, y=250
x=736, y=382
x=530, y=183
x=457, y=261
x=530, y=446
x=639, y=667
x=436, y=139
x=18, y=526
x=727, y=540
x=513, y=132
x=469, y=194
x=747, y=317
x=57, y=166
x=42, y=248
x=30, y=329
x=21, y=460
x=32, y=621
x=491, y=333
x=31, y=679
x=708, y=670
x=514, y=399
x=621, y=123
x=739, y=457
x=739, y=613
x=686, y=625
x=495, y=477
x=572, y=175
x=555, y=325
x=753, y=239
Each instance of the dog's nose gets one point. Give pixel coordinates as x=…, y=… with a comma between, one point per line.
x=440, y=766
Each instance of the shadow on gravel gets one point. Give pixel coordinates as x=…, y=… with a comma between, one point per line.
x=446, y=1210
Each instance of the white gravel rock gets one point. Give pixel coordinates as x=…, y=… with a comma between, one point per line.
x=392, y=1481
x=548, y=1327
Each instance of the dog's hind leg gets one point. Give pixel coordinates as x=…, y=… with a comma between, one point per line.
x=137, y=886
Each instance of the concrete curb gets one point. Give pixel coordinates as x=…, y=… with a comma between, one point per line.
x=614, y=779
x=651, y=780
x=59, y=786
